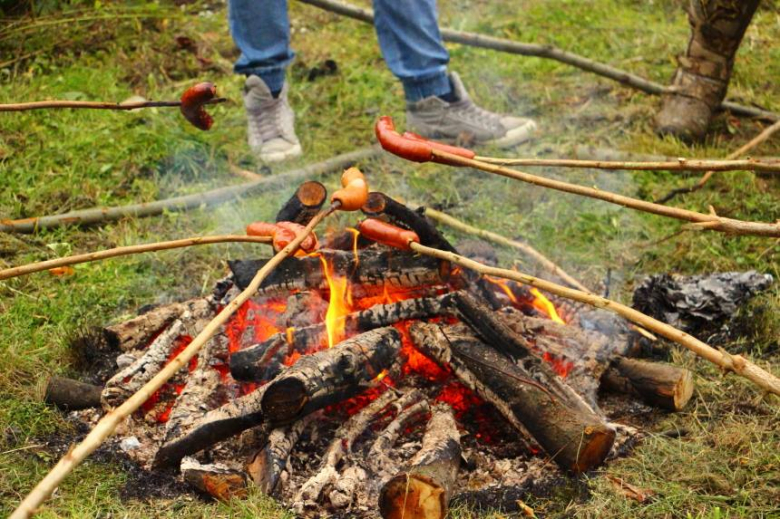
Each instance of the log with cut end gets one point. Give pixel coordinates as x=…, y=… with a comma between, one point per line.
x=214, y=479
x=266, y=466
x=70, y=395
x=329, y=376
x=261, y=362
x=304, y=204
x=423, y=490
x=215, y=426
x=661, y=385
x=526, y=393
x=371, y=268
x=137, y=332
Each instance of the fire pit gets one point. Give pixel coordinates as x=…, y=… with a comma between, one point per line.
x=362, y=379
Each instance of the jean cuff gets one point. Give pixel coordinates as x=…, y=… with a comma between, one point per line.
x=417, y=89
x=273, y=78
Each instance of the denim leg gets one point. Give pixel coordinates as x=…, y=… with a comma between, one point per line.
x=408, y=33
x=261, y=31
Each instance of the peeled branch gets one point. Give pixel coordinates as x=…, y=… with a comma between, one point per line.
x=192, y=102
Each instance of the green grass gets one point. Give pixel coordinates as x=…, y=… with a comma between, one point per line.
x=51, y=162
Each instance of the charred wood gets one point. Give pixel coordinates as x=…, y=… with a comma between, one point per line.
x=371, y=268
x=267, y=466
x=214, y=479
x=424, y=489
x=260, y=362
x=409, y=407
x=527, y=393
x=329, y=376
x=660, y=385
x=70, y=395
x=304, y=204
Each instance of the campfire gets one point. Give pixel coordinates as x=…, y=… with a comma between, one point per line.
x=364, y=379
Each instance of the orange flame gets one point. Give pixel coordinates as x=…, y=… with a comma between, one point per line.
x=540, y=302
x=338, y=305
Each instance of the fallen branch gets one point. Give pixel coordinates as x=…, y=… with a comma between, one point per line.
x=543, y=51
x=753, y=143
x=736, y=363
x=127, y=251
x=545, y=262
x=96, y=105
x=681, y=164
x=108, y=424
x=187, y=202
x=711, y=222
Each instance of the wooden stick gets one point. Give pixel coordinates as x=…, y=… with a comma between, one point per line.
x=108, y=424
x=753, y=143
x=736, y=363
x=497, y=238
x=126, y=251
x=187, y=202
x=700, y=221
x=543, y=51
x=682, y=164
x=95, y=105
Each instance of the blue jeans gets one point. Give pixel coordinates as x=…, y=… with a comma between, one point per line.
x=407, y=30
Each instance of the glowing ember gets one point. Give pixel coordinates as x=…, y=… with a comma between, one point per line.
x=545, y=305
x=561, y=366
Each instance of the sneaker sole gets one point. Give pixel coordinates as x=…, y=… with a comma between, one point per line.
x=515, y=136
x=279, y=156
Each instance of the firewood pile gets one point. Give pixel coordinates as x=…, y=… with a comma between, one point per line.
x=363, y=380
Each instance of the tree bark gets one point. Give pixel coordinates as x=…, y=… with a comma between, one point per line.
x=329, y=376
x=660, y=385
x=304, y=204
x=214, y=479
x=423, y=490
x=267, y=465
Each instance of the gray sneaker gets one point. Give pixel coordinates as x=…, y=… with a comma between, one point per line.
x=435, y=118
x=270, y=122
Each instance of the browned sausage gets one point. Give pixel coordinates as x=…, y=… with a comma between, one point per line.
x=387, y=234
x=192, y=104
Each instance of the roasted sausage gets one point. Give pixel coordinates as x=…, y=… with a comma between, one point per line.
x=387, y=234
x=192, y=102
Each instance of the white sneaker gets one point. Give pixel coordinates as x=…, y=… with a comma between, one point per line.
x=270, y=122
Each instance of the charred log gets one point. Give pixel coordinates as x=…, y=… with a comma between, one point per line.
x=488, y=327
x=214, y=479
x=304, y=204
x=261, y=362
x=527, y=393
x=70, y=395
x=371, y=268
x=379, y=204
x=329, y=376
x=660, y=385
x=267, y=466
x=423, y=490
x=409, y=408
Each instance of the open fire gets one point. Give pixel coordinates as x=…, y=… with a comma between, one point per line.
x=361, y=377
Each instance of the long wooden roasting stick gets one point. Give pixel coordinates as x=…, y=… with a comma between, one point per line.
x=126, y=251
x=682, y=164
x=350, y=198
x=543, y=51
x=417, y=149
x=382, y=232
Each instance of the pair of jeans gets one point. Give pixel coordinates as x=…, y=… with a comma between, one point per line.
x=408, y=33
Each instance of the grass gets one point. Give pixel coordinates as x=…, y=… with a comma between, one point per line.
x=50, y=162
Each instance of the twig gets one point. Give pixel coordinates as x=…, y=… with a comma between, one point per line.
x=699, y=221
x=95, y=105
x=681, y=164
x=108, y=424
x=736, y=363
x=497, y=238
x=543, y=51
x=184, y=203
x=754, y=142
x=126, y=251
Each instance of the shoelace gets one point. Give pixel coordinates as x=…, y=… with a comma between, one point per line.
x=270, y=125
x=474, y=113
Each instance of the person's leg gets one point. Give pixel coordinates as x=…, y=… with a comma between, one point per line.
x=703, y=74
x=438, y=105
x=261, y=31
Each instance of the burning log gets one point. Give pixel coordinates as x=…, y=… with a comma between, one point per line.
x=267, y=465
x=343, y=439
x=409, y=408
x=214, y=479
x=137, y=332
x=379, y=204
x=329, y=376
x=261, y=362
x=661, y=385
x=424, y=489
x=371, y=268
x=526, y=393
x=304, y=204
x=69, y=395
